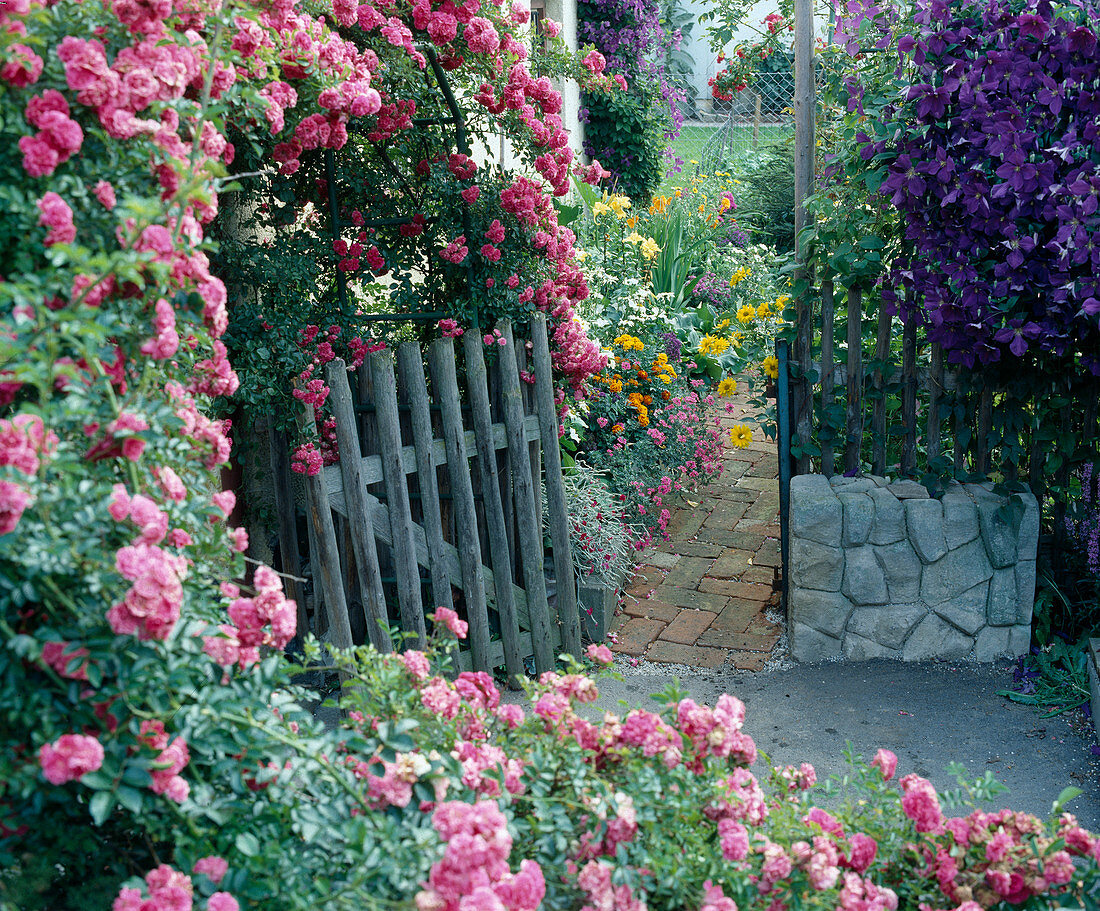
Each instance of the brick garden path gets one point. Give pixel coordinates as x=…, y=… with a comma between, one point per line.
x=699, y=598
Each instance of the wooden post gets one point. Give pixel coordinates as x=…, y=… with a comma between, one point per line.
x=410, y=365
x=477, y=389
x=441, y=361
x=878, y=409
x=827, y=367
x=555, y=488
x=935, y=393
x=853, y=433
x=530, y=535
x=909, y=397
x=804, y=103
x=397, y=497
x=982, y=451
x=283, y=488
x=326, y=556
x=355, y=497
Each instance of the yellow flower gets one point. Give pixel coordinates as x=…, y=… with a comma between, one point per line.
x=723, y=324
x=581, y=256
x=771, y=366
x=634, y=238
x=713, y=344
x=665, y=378
x=739, y=276
x=727, y=387
x=741, y=436
x=650, y=248
x=746, y=314
x=616, y=428
x=599, y=209
x=678, y=194
x=659, y=205
x=765, y=309
x=619, y=205
x=615, y=386
x=702, y=207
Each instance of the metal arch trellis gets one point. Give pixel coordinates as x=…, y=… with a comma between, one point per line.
x=461, y=141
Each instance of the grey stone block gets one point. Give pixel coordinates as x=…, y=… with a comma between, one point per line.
x=1025, y=591
x=934, y=637
x=864, y=580
x=1003, y=601
x=966, y=610
x=888, y=626
x=1019, y=639
x=856, y=648
x=816, y=566
x=1000, y=525
x=908, y=490
x=960, y=516
x=815, y=510
x=959, y=570
x=924, y=521
x=992, y=643
x=826, y=612
x=1027, y=544
x=889, y=522
x=808, y=645
x=851, y=485
x=902, y=568
x=859, y=512
x=1092, y=659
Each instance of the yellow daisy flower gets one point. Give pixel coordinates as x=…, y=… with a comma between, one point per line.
x=741, y=436
x=727, y=387
x=746, y=314
x=771, y=366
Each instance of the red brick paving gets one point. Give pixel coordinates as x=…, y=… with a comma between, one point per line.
x=699, y=598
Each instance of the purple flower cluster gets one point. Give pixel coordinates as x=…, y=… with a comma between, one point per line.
x=997, y=178
x=714, y=290
x=673, y=346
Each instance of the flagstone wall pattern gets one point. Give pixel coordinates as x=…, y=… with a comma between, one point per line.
x=881, y=569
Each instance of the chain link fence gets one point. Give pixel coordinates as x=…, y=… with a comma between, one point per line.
x=722, y=135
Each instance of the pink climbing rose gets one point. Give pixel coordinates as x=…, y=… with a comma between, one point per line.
x=70, y=757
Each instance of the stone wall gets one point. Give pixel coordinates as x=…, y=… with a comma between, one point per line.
x=880, y=569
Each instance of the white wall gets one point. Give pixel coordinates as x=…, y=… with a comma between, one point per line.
x=706, y=63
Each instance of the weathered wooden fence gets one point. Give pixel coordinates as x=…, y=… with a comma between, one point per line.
x=900, y=408
x=438, y=493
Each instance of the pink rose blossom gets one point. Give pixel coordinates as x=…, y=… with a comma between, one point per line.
x=449, y=619
x=886, y=762
x=69, y=757
x=58, y=218
x=214, y=868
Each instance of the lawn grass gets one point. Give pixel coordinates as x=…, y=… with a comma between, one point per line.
x=725, y=146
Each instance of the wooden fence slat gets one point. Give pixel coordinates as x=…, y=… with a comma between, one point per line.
x=985, y=426
x=325, y=557
x=962, y=407
x=397, y=497
x=878, y=408
x=410, y=365
x=362, y=528
x=827, y=454
x=478, y=390
x=530, y=535
x=909, y=397
x=803, y=401
x=283, y=489
x=935, y=392
x=441, y=360
x=525, y=361
x=372, y=464
x=854, y=417
x=568, y=610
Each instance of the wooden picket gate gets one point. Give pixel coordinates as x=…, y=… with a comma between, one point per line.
x=476, y=527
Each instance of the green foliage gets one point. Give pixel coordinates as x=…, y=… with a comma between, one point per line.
x=766, y=202
x=625, y=131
